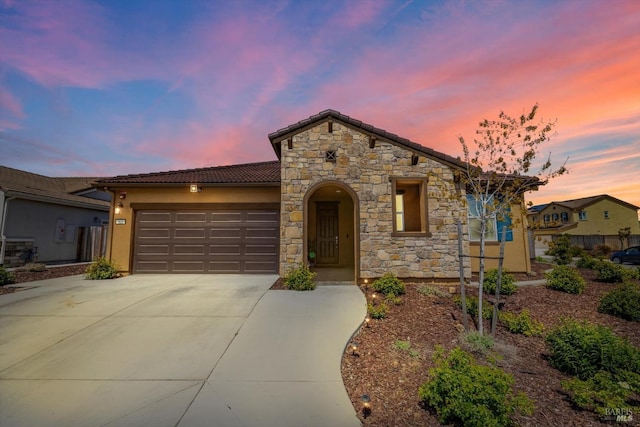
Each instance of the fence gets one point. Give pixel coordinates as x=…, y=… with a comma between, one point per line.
x=92, y=243
x=591, y=241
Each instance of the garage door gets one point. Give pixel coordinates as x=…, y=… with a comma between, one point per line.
x=206, y=241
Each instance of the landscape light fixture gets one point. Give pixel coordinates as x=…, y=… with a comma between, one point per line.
x=367, y=321
x=366, y=405
x=354, y=347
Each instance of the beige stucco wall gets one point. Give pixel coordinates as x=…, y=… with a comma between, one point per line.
x=367, y=172
x=121, y=236
x=517, y=257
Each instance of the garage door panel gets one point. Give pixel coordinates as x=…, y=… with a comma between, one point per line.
x=226, y=216
x=190, y=233
x=234, y=232
x=201, y=241
x=263, y=216
x=191, y=217
x=262, y=232
x=234, y=250
x=148, y=217
x=154, y=233
x=188, y=266
x=159, y=266
x=153, y=249
x=188, y=249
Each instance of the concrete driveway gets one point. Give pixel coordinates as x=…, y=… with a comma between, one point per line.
x=175, y=350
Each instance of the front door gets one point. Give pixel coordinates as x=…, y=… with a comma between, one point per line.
x=327, y=232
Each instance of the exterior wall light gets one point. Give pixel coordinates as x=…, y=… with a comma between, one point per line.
x=118, y=208
x=123, y=195
x=194, y=188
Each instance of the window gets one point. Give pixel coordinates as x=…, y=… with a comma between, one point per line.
x=494, y=225
x=547, y=218
x=555, y=217
x=606, y=214
x=582, y=216
x=564, y=217
x=410, y=206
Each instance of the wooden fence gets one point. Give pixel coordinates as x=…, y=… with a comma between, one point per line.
x=591, y=241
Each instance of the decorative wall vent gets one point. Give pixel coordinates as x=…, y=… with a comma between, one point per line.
x=330, y=156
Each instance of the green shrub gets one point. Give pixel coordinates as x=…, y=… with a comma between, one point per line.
x=377, y=311
x=463, y=392
x=602, y=391
x=609, y=272
x=560, y=249
x=623, y=302
x=405, y=346
x=6, y=277
x=507, y=287
x=601, y=251
x=393, y=299
x=566, y=279
x=101, y=269
x=472, y=306
x=300, y=279
x=587, y=261
x=521, y=323
x=433, y=290
x=477, y=343
x=584, y=349
x=389, y=284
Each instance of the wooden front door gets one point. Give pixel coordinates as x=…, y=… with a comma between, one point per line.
x=327, y=232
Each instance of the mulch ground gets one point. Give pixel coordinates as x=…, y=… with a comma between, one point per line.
x=49, y=273
x=391, y=376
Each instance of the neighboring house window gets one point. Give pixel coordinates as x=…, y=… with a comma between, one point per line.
x=555, y=217
x=564, y=217
x=582, y=216
x=494, y=225
x=410, y=206
x=547, y=218
x=606, y=214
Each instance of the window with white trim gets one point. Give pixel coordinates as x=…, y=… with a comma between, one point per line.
x=494, y=225
x=582, y=215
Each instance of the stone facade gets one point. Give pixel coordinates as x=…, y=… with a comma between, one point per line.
x=367, y=171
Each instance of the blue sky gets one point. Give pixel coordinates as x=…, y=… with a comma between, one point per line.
x=117, y=87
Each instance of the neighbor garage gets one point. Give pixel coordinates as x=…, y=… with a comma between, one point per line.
x=217, y=240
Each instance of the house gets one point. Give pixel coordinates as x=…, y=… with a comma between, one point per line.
x=50, y=220
x=591, y=220
x=363, y=200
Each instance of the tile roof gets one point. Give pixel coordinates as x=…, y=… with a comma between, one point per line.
x=279, y=135
x=27, y=185
x=586, y=201
x=249, y=173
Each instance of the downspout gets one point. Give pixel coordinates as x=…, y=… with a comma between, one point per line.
x=3, y=220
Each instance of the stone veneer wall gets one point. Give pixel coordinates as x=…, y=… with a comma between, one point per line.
x=367, y=172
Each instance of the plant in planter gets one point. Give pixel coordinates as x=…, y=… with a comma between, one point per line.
x=312, y=258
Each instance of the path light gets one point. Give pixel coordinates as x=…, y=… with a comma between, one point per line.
x=367, y=320
x=354, y=347
x=373, y=295
x=366, y=405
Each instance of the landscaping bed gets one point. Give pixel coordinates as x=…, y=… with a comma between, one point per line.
x=394, y=354
x=23, y=276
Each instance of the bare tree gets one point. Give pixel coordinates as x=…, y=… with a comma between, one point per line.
x=499, y=172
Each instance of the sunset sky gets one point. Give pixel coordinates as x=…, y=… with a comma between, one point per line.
x=103, y=88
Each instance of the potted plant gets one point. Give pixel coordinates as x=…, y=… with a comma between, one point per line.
x=312, y=258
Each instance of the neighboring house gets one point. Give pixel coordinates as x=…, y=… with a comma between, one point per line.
x=602, y=216
x=363, y=200
x=50, y=220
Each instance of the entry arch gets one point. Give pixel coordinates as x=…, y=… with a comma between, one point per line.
x=321, y=197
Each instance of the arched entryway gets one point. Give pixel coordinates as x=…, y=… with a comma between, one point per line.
x=331, y=231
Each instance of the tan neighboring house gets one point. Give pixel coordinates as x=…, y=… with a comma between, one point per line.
x=597, y=219
x=50, y=220
x=364, y=201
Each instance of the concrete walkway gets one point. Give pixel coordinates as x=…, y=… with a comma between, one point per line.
x=175, y=350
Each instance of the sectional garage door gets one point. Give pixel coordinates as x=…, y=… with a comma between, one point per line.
x=206, y=241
